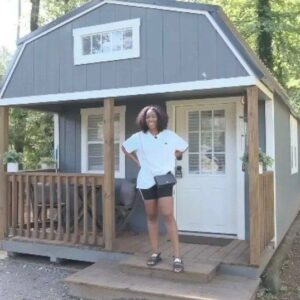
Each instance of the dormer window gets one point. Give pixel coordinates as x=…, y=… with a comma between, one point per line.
x=107, y=42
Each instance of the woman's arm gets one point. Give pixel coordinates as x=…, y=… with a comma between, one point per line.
x=131, y=156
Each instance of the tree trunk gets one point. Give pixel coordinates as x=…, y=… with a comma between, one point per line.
x=264, y=38
x=34, y=16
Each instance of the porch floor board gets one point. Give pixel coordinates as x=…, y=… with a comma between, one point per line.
x=235, y=253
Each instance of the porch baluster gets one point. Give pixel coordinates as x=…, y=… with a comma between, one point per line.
x=67, y=210
x=21, y=206
x=43, y=214
x=75, y=239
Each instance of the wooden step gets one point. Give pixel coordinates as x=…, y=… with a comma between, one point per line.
x=106, y=281
x=193, y=271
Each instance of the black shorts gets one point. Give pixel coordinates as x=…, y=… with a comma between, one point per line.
x=155, y=193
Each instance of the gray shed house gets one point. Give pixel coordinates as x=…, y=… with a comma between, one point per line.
x=95, y=68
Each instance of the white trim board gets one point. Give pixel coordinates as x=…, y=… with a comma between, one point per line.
x=133, y=91
x=176, y=9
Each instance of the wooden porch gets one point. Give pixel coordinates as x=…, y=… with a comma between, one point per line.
x=62, y=207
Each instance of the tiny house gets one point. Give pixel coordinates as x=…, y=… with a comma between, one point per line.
x=95, y=68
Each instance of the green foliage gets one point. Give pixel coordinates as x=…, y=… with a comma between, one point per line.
x=12, y=156
x=38, y=140
x=263, y=158
x=52, y=9
x=283, y=23
x=17, y=127
x=49, y=160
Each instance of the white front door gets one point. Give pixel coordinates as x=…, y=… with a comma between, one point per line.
x=206, y=194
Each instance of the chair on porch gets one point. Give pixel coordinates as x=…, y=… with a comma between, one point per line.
x=126, y=203
x=47, y=204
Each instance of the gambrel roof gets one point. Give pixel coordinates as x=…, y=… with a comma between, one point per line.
x=215, y=13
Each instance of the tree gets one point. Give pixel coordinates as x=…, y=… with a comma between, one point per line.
x=265, y=35
x=34, y=16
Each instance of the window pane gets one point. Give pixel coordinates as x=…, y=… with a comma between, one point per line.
x=219, y=160
x=206, y=141
x=193, y=121
x=219, y=141
x=127, y=39
x=86, y=45
x=106, y=42
x=194, y=142
x=95, y=135
x=206, y=162
x=95, y=157
x=194, y=163
x=219, y=120
x=96, y=48
x=117, y=40
x=206, y=120
x=95, y=128
x=96, y=150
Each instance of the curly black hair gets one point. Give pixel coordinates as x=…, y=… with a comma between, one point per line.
x=162, y=118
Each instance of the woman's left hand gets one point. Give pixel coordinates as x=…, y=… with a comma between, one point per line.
x=178, y=154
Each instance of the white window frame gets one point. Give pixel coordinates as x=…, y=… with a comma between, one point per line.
x=84, y=139
x=294, y=144
x=133, y=24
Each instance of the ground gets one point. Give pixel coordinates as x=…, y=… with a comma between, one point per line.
x=290, y=276
x=30, y=277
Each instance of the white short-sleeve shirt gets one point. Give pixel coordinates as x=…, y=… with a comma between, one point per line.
x=156, y=154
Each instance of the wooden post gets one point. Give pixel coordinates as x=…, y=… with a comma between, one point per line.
x=253, y=151
x=3, y=178
x=109, y=175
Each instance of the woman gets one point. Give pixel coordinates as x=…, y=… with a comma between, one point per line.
x=156, y=149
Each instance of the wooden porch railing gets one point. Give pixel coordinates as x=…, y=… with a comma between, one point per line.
x=266, y=208
x=55, y=206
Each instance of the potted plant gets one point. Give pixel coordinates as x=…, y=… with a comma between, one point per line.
x=12, y=158
x=264, y=161
x=47, y=163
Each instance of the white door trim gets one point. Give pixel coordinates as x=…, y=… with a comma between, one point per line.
x=240, y=180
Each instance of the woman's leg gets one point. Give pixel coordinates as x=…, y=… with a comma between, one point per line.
x=166, y=208
x=152, y=221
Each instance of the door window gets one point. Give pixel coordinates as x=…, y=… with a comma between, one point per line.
x=206, y=137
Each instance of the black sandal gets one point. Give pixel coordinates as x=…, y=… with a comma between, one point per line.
x=178, y=266
x=154, y=259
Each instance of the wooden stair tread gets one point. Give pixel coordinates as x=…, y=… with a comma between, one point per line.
x=193, y=271
x=107, y=278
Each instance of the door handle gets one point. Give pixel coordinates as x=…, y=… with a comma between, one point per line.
x=178, y=172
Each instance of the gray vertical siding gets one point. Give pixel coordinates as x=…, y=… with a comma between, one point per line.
x=262, y=125
x=70, y=141
x=175, y=47
x=287, y=185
